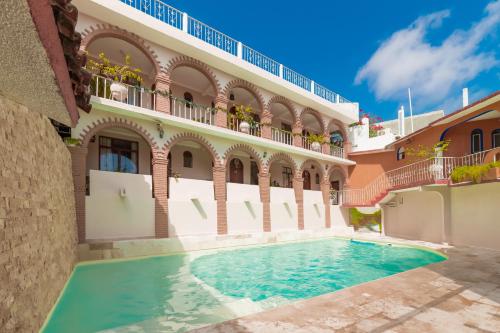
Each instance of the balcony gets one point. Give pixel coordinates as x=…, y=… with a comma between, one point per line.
x=183, y=22
x=146, y=98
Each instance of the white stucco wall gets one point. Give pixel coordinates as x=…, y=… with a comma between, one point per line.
x=192, y=209
x=283, y=209
x=476, y=215
x=314, y=210
x=244, y=209
x=339, y=217
x=417, y=215
x=110, y=216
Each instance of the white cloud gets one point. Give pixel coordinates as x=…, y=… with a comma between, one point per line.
x=407, y=60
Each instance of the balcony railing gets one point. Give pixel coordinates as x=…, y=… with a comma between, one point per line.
x=282, y=136
x=423, y=172
x=336, y=151
x=233, y=123
x=101, y=87
x=159, y=10
x=195, y=112
x=200, y=30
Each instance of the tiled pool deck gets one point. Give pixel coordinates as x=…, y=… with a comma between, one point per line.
x=459, y=295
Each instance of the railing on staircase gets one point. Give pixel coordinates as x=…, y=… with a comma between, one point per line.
x=425, y=172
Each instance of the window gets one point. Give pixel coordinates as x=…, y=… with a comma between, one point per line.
x=476, y=141
x=187, y=157
x=254, y=173
x=118, y=155
x=287, y=177
x=401, y=153
x=495, y=138
x=317, y=179
x=286, y=127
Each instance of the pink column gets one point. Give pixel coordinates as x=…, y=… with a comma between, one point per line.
x=297, y=135
x=298, y=187
x=160, y=186
x=219, y=177
x=221, y=111
x=163, y=101
x=79, y=169
x=265, y=198
x=265, y=122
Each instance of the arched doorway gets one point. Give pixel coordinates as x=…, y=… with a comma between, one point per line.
x=236, y=171
x=244, y=98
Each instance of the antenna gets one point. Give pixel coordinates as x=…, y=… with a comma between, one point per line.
x=411, y=110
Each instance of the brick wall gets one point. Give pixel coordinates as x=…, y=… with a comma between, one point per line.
x=37, y=218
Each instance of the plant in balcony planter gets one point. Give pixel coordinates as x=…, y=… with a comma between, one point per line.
x=72, y=142
x=316, y=140
x=120, y=74
x=245, y=115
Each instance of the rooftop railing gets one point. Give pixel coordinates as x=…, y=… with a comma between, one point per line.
x=177, y=19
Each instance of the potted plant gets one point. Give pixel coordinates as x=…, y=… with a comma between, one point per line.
x=72, y=142
x=245, y=115
x=120, y=74
x=316, y=140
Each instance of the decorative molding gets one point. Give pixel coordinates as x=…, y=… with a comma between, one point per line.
x=189, y=136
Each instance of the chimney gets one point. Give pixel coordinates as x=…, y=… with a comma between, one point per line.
x=401, y=121
x=465, y=97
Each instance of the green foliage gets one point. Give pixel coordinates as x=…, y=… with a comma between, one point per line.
x=422, y=152
x=474, y=173
x=72, y=141
x=118, y=73
x=320, y=138
x=245, y=113
x=359, y=219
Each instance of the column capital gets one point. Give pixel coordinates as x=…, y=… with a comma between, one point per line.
x=163, y=78
x=221, y=100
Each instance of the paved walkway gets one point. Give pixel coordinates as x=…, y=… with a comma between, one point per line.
x=459, y=295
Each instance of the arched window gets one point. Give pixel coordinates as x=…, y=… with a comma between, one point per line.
x=401, y=153
x=476, y=141
x=307, y=180
x=188, y=159
x=317, y=178
x=495, y=138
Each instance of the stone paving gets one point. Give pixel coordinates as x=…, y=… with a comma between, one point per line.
x=461, y=294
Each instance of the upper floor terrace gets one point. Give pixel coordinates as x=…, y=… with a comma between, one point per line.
x=165, y=26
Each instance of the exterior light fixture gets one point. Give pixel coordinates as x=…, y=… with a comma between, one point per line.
x=231, y=97
x=160, y=129
x=265, y=154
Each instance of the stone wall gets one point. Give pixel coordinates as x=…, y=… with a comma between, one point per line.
x=37, y=218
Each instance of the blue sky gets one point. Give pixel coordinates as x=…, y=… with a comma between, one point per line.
x=372, y=51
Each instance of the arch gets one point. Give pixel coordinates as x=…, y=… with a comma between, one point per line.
x=101, y=124
x=476, y=133
x=495, y=138
x=316, y=164
x=285, y=102
x=281, y=156
x=316, y=115
x=244, y=148
x=239, y=83
x=340, y=126
x=188, y=136
x=334, y=168
x=185, y=61
x=105, y=30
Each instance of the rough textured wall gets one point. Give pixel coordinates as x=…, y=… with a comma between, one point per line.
x=37, y=218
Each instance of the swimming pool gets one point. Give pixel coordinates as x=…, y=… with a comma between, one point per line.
x=179, y=292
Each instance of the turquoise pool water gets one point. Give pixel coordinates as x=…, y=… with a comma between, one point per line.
x=180, y=292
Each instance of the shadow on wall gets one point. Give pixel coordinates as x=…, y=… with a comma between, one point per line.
x=365, y=221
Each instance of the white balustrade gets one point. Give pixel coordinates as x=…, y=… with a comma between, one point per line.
x=336, y=151
x=282, y=136
x=195, y=112
x=296, y=78
x=233, y=123
x=306, y=144
x=137, y=96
